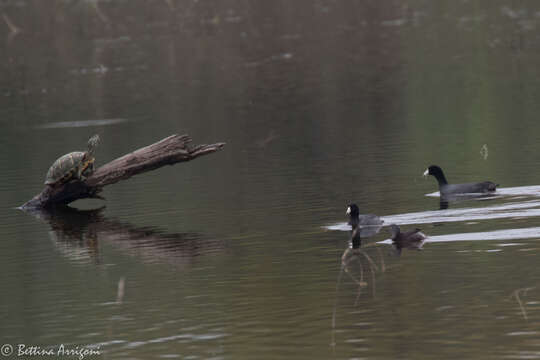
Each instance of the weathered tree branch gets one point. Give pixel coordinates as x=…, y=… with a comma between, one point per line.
x=169, y=151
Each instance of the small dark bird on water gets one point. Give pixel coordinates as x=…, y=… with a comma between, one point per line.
x=413, y=239
x=453, y=189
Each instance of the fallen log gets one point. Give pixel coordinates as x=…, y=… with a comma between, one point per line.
x=169, y=151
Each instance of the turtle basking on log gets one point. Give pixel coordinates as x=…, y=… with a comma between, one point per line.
x=77, y=165
x=60, y=190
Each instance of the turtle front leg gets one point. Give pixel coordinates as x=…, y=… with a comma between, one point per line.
x=87, y=171
x=80, y=172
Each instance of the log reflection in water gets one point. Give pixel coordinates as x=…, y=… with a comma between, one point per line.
x=78, y=234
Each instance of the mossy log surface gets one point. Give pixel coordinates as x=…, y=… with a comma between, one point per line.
x=169, y=151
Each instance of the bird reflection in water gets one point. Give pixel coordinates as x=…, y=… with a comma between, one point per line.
x=446, y=200
x=354, y=257
x=353, y=263
x=77, y=234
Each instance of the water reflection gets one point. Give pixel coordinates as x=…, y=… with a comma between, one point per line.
x=529, y=190
x=505, y=234
x=510, y=192
x=77, y=234
x=355, y=261
x=354, y=253
x=446, y=200
x=363, y=232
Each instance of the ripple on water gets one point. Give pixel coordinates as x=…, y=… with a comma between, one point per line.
x=470, y=215
x=522, y=333
x=532, y=190
x=81, y=123
x=508, y=234
x=509, y=210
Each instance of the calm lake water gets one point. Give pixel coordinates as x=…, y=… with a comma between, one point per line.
x=237, y=255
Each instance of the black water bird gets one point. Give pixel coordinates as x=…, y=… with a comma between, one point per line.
x=355, y=219
x=362, y=226
x=447, y=189
x=413, y=239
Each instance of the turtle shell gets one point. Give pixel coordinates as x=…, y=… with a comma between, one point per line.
x=67, y=166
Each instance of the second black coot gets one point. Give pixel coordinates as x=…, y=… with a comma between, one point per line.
x=453, y=189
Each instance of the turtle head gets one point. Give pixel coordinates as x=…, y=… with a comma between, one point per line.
x=92, y=143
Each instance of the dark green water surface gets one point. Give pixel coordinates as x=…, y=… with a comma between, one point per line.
x=237, y=255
